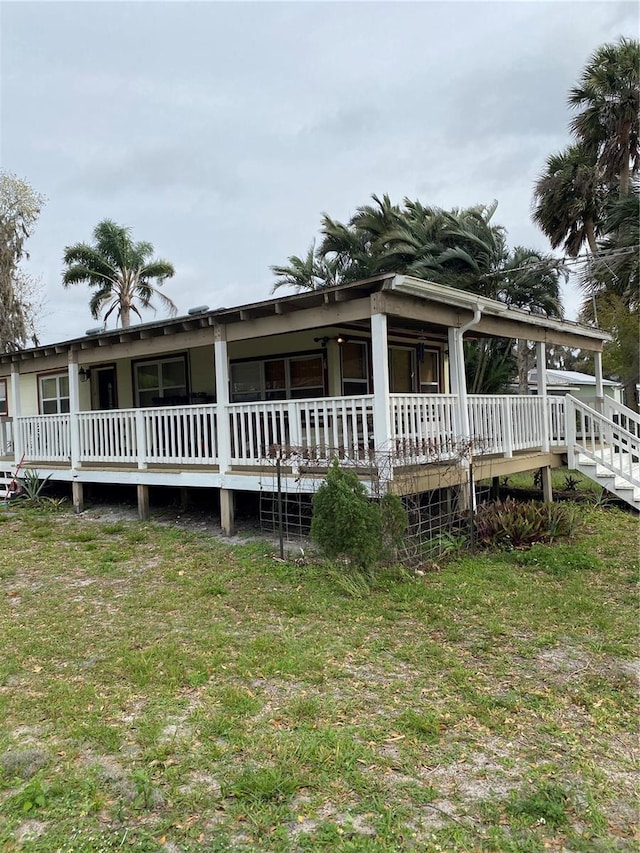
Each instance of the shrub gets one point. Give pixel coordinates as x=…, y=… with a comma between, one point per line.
x=393, y=524
x=512, y=524
x=346, y=523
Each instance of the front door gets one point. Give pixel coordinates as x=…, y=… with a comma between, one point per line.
x=401, y=370
x=106, y=388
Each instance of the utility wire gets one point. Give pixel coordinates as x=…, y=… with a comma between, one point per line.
x=602, y=254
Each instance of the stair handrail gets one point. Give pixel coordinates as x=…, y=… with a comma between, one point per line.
x=613, y=407
x=610, y=434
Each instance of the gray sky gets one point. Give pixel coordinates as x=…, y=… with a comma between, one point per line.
x=221, y=131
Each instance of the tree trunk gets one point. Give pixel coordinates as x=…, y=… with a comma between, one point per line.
x=625, y=175
x=589, y=228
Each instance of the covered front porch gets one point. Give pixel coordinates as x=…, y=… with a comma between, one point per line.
x=371, y=373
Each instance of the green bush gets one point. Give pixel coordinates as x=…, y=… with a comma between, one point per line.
x=393, y=525
x=347, y=524
x=512, y=524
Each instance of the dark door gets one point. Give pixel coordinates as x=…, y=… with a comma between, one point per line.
x=107, y=388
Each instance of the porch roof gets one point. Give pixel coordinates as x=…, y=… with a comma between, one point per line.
x=417, y=305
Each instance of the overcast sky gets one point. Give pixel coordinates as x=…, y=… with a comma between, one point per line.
x=221, y=131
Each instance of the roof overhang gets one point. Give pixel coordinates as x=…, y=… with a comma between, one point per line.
x=414, y=303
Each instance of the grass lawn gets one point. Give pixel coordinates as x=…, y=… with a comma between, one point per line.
x=566, y=481
x=165, y=691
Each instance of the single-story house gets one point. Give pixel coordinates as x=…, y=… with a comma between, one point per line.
x=370, y=372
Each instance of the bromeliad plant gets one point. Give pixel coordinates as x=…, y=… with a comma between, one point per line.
x=511, y=524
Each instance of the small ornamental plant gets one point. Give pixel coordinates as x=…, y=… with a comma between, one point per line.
x=347, y=524
x=511, y=524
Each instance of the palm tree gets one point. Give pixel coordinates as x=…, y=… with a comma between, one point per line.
x=530, y=279
x=615, y=270
x=568, y=199
x=121, y=272
x=308, y=273
x=608, y=95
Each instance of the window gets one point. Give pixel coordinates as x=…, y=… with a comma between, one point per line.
x=355, y=368
x=290, y=377
x=429, y=370
x=246, y=382
x=4, y=402
x=161, y=381
x=306, y=377
x=54, y=394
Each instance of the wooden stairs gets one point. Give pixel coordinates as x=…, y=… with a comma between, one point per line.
x=606, y=447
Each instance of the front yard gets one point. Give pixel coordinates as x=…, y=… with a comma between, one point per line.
x=161, y=690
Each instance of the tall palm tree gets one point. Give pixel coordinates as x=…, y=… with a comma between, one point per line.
x=121, y=272
x=615, y=270
x=608, y=95
x=568, y=199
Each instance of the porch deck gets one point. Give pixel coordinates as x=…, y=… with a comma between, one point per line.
x=233, y=445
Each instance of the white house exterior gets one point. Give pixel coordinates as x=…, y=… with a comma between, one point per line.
x=367, y=371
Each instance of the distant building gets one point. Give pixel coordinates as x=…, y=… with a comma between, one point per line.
x=582, y=386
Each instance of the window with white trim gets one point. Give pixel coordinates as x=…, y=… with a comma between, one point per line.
x=287, y=378
x=161, y=380
x=54, y=394
x=4, y=401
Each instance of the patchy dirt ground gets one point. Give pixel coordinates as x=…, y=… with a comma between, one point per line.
x=164, y=692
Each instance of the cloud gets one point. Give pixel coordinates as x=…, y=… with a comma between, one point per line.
x=221, y=131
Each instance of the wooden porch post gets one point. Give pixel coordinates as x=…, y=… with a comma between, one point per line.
x=541, y=372
x=74, y=408
x=381, y=403
x=459, y=382
x=223, y=437
x=77, y=494
x=227, y=512
x=597, y=358
x=547, y=490
x=143, y=502
x=15, y=411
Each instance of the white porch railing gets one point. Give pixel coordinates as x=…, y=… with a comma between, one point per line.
x=173, y=435
x=507, y=423
x=557, y=423
x=623, y=416
x=423, y=427
x=320, y=429
x=44, y=437
x=108, y=436
x=6, y=436
x=601, y=439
